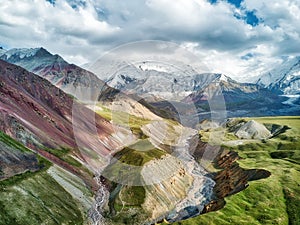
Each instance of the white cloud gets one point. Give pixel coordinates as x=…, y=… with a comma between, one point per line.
x=60, y=28
x=226, y=44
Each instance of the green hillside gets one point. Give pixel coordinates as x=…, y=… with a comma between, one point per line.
x=275, y=200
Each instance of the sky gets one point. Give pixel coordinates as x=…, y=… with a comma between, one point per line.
x=240, y=38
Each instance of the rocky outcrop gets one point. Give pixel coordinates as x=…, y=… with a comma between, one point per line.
x=253, y=130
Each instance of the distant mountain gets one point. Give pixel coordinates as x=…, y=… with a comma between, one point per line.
x=241, y=99
x=154, y=81
x=186, y=93
x=283, y=79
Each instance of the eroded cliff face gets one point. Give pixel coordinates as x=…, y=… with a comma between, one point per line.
x=231, y=178
x=170, y=184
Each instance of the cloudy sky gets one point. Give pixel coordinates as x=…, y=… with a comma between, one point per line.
x=241, y=38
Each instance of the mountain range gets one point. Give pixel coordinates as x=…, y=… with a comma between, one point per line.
x=179, y=88
x=283, y=79
x=191, y=94
x=60, y=122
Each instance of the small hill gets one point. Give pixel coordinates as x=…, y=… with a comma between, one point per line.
x=253, y=130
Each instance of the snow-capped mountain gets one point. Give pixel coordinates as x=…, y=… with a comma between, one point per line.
x=240, y=99
x=20, y=53
x=69, y=77
x=74, y=80
x=156, y=81
x=160, y=83
x=36, y=60
x=165, y=86
x=284, y=79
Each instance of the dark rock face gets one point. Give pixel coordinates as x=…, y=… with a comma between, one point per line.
x=233, y=179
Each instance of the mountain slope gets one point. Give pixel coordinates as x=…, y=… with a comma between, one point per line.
x=240, y=99
x=154, y=81
x=15, y=159
x=31, y=193
x=78, y=82
x=42, y=117
x=284, y=79
x=186, y=94
x=68, y=77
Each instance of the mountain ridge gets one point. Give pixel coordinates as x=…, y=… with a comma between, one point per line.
x=41, y=116
x=283, y=79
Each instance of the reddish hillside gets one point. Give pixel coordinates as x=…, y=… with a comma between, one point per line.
x=39, y=115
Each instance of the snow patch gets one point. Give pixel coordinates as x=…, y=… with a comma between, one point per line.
x=223, y=78
x=21, y=52
x=291, y=99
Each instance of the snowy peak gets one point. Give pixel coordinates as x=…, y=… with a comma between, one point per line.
x=175, y=81
x=285, y=78
x=21, y=53
x=32, y=59
x=177, y=70
x=145, y=66
x=223, y=78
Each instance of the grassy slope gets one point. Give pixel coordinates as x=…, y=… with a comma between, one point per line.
x=35, y=198
x=139, y=153
x=123, y=119
x=275, y=200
